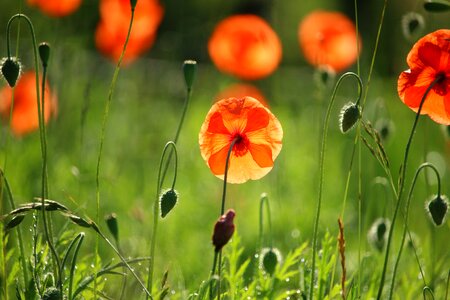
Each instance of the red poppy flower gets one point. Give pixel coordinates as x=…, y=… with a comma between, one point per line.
x=56, y=8
x=257, y=134
x=25, y=113
x=428, y=60
x=245, y=46
x=328, y=38
x=240, y=90
x=113, y=27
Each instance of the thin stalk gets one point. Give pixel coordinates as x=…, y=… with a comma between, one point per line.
x=321, y=171
x=213, y=271
x=95, y=227
x=159, y=183
x=103, y=130
x=408, y=201
x=80, y=238
x=402, y=184
x=264, y=199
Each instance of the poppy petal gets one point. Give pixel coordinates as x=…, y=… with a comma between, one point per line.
x=262, y=154
x=216, y=124
x=257, y=118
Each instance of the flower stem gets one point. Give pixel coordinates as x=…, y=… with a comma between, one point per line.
x=264, y=199
x=408, y=200
x=321, y=170
x=402, y=184
x=156, y=208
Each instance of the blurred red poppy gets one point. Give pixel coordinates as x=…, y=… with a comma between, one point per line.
x=112, y=29
x=56, y=8
x=24, y=117
x=240, y=90
x=428, y=61
x=245, y=46
x=328, y=38
x=257, y=134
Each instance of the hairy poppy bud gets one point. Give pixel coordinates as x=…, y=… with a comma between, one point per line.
x=437, y=208
x=52, y=293
x=189, y=70
x=270, y=258
x=223, y=230
x=412, y=25
x=349, y=115
x=167, y=201
x=113, y=226
x=11, y=68
x=44, y=53
x=436, y=5
x=377, y=234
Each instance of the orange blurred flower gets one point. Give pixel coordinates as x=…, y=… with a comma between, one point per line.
x=240, y=90
x=428, y=60
x=257, y=134
x=24, y=117
x=56, y=8
x=328, y=38
x=112, y=29
x=245, y=46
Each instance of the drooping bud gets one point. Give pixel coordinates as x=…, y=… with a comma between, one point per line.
x=269, y=259
x=113, y=226
x=11, y=69
x=385, y=127
x=348, y=117
x=412, y=25
x=437, y=208
x=44, y=53
x=189, y=71
x=324, y=76
x=223, y=230
x=378, y=233
x=167, y=201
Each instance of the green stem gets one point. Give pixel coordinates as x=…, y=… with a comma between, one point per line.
x=402, y=184
x=102, y=135
x=156, y=208
x=321, y=171
x=213, y=271
x=80, y=238
x=408, y=201
x=264, y=199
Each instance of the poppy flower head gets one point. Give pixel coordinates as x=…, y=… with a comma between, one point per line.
x=429, y=63
x=56, y=8
x=245, y=46
x=328, y=38
x=24, y=117
x=112, y=29
x=255, y=132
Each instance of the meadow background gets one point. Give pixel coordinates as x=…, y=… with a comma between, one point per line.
x=144, y=114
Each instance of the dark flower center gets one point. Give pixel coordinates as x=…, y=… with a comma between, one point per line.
x=241, y=144
x=442, y=83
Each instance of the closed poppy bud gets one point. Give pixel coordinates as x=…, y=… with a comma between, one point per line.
x=44, y=53
x=436, y=5
x=11, y=68
x=113, y=226
x=270, y=258
x=412, y=25
x=377, y=234
x=133, y=3
x=189, y=70
x=167, y=201
x=349, y=115
x=223, y=230
x=437, y=208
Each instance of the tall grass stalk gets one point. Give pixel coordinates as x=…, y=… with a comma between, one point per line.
x=102, y=134
x=322, y=172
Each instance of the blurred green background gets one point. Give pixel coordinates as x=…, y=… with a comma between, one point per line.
x=145, y=111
